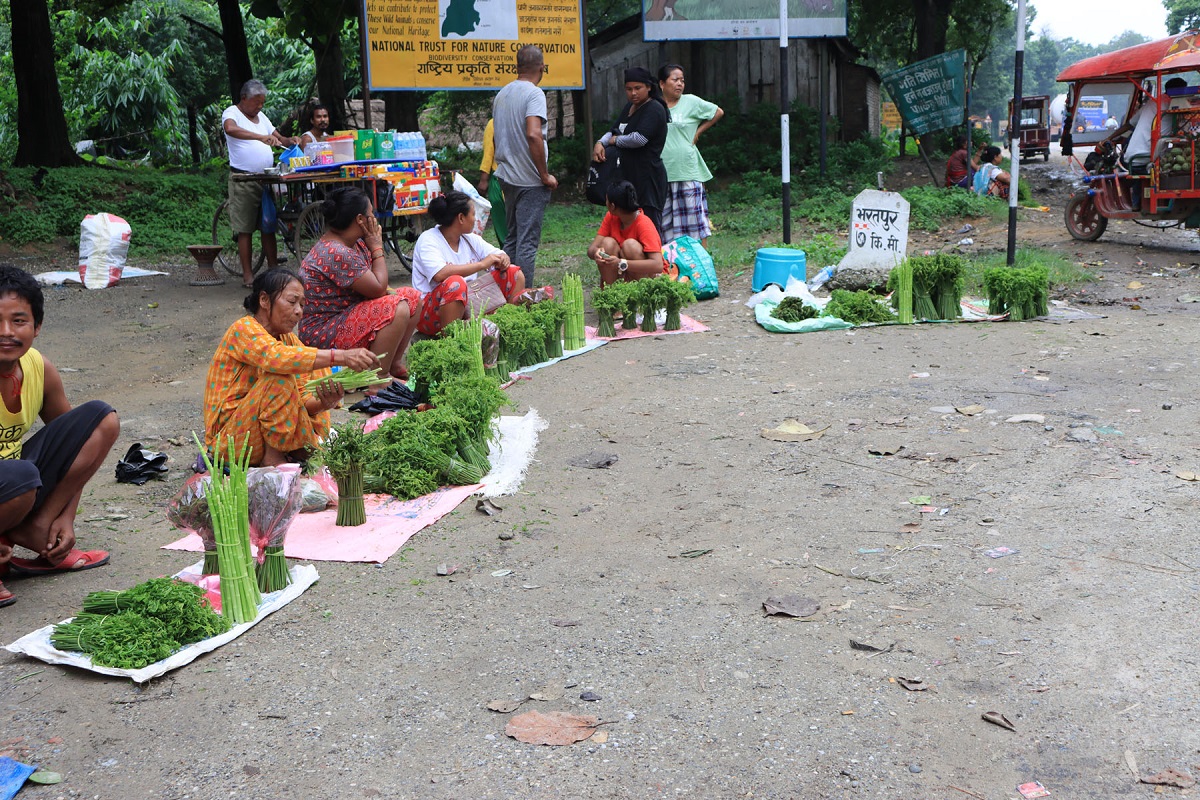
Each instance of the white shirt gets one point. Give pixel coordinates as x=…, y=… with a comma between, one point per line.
x=432, y=252
x=1139, y=140
x=248, y=155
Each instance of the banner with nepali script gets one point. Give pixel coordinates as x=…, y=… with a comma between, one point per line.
x=470, y=44
x=930, y=94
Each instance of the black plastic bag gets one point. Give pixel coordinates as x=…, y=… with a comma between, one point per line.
x=139, y=466
x=396, y=397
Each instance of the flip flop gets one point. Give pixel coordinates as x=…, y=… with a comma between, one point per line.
x=29, y=567
x=7, y=598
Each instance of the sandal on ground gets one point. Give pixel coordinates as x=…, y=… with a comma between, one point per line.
x=75, y=561
x=7, y=598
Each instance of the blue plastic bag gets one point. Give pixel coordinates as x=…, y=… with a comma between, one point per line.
x=13, y=775
x=688, y=256
x=269, y=217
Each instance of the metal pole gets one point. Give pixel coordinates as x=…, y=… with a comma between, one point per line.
x=785, y=122
x=364, y=67
x=823, y=76
x=1014, y=134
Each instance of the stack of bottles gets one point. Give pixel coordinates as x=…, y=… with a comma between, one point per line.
x=409, y=146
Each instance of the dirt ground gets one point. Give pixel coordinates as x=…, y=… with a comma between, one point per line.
x=374, y=683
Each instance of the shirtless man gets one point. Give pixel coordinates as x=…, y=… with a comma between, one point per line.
x=319, y=129
x=42, y=478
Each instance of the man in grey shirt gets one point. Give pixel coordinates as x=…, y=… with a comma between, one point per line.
x=519, y=114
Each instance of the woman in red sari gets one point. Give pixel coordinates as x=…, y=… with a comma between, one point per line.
x=348, y=301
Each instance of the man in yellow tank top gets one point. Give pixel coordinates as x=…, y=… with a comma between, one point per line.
x=42, y=478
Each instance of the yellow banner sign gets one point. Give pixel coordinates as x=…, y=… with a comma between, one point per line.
x=470, y=44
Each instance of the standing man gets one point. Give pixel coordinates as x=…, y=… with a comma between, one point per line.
x=319, y=119
x=250, y=137
x=519, y=115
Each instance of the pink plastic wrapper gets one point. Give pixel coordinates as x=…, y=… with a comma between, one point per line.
x=275, y=500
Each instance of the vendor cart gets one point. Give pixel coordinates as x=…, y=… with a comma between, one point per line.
x=300, y=223
x=1035, y=126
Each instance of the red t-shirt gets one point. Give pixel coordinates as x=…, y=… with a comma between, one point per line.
x=956, y=167
x=642, y=230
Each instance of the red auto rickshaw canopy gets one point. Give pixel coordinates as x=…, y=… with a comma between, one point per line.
x=1175, y=53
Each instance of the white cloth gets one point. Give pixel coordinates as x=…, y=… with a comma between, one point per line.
x=432, y=252
x=248, y=155
x=1139, y=140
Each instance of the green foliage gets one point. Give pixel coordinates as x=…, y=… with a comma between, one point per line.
x=1182, y=15
x=1060, y=270
x=434, y=361
x=825, y=208
x=167, y=211
x=858, y=307
x=793, y=309
x=822, y=250
x=458, y=112
x=937, y=285
x=930, y=206
x=1021, y=292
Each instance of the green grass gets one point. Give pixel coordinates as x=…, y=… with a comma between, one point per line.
x=1063, y=271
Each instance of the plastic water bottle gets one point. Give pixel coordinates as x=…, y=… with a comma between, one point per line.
x=821, y=278
x=421, y=153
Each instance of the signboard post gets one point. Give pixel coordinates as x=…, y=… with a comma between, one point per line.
x=470, y=44
x=929, y=94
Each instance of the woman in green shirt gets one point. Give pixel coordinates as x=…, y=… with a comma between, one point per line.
x=685, y=212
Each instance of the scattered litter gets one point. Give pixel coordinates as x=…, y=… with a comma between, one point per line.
x=1187, y=475
x=1108, y=430
x=590, y=697
x=889, y=449
x=970, y=410
x=920, y=500
x=46, y=778
x=910, y=527
x=967, y=228
x=1032, y=790
x=1131, y=762
x=870, y=648
x=919, y=375
x=996, y=718
x=565, y=623
x=791, y=430
x=867, y=550
x=594, y=460
x=444, y=569
x=1038, y=418
x=139, y=466
x=486, y=506
x=912, y=684
x=695, y=553
x=1188, y=298
x=792, y=605
x=500, y=573
x=1171, y=777
x=1134, y=285
x=530, y=586
x=1001, y=552
x=552, y=728
x=1086, y=435
x=968, y=240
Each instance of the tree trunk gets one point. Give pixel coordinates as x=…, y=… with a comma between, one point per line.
x=237, y=56
x=42, y=139
x=331, y=87
x=400, y=110
x=932, y=20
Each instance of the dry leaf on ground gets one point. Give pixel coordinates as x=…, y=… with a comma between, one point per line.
x=791, y=430
x=552, y=728
x=1171, y=777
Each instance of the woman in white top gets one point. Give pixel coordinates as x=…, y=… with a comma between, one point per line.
x=448, y=257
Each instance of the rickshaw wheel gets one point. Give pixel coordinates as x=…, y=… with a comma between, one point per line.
x=1046, y=156
x=310, y=227
x=222, y=234
x=1084, y=221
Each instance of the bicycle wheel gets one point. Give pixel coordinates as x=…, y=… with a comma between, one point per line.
x=399, y=233
x=222, y=234
x=310, y=226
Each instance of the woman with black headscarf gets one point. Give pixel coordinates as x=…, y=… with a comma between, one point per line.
x=639, y=135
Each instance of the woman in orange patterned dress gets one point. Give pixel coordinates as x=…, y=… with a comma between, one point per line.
x=255, y=385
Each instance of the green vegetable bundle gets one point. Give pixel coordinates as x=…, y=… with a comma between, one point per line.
x=607, y=302
x=229, y=505
x=476, y=401
x=793, y=309
x=574, y=335
x=937, y=285
x=412, y=453
x=351, y=380
x=551, y=317
x=522, y=341
x=1020, y=292
x=432, y=361
x=470, y=333
x=858, y=308
x=902, y=291
x=345, y=451
x=180, y=606
x=676, y=295
x=123, y=641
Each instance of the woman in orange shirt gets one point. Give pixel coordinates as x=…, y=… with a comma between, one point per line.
x=628, y=246
x=255, y=386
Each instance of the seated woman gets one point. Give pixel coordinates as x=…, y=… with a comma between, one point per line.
x=255, y=384
x=990, y=180
x=346, y=283
x=628, y=246
x=448, y=259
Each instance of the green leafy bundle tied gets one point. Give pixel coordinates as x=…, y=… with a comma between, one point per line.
x=633, y=299
x=1021, y=292
x=229, y=506
x=522, y=342
x=404, y=446
x=431, y=361
x=550, y=316
x=924, y=278
x=127, y=640
x=858, y=307
x=651, y=296
x=607, y=302
x=676, y=295
x=574, y=333
x=179, y=605
x=902, y=291
x=345, y=452
x=351, y=380
x=793, y=309
x=476, y=401
x=937, y=285
x=470, y=333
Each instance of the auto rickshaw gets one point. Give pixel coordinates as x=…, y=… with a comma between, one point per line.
x=1035, y=126
x=1161, y=187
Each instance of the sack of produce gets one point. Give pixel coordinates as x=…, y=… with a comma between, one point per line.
x=103, y=245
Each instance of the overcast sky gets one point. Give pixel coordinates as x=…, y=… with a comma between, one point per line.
x=1098, y=21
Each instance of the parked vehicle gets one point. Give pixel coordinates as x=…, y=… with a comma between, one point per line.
x=1163, y=188
x=1035, y=126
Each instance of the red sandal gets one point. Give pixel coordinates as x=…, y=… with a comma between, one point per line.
x=30, y=567
x=7, y=598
